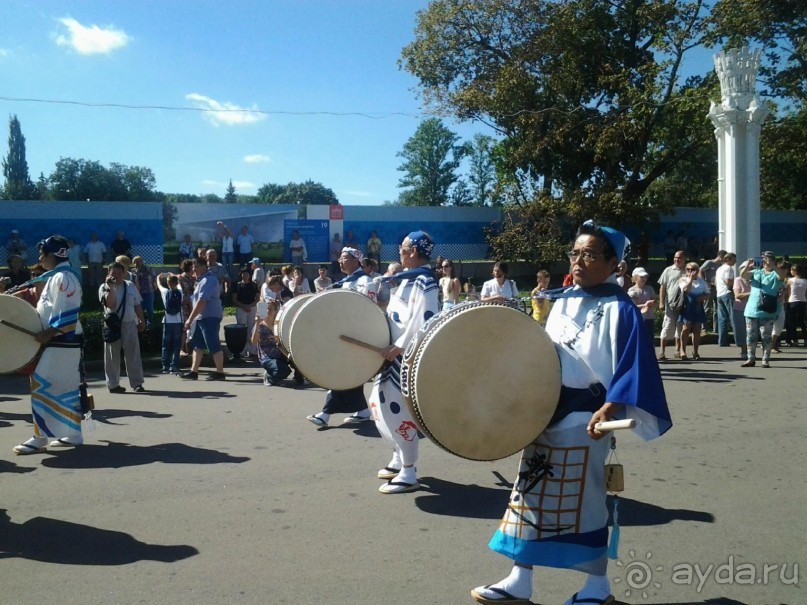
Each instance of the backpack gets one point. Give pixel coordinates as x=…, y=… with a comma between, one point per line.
x=678, y=301
x=173, y=302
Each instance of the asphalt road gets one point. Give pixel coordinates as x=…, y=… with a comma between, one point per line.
x=212, y=492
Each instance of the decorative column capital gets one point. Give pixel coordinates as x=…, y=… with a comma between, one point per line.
x=737, y=71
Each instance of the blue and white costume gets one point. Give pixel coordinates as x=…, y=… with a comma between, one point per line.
x=55, y=403
x=557, y=515
x=414, y=302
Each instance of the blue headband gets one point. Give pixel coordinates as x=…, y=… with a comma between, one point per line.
x=422, y=242
x=617, y=239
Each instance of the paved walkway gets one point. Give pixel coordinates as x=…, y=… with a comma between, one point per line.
x=216, y=493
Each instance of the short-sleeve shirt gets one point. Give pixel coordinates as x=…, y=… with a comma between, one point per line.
x=208, y=289
x=769, y=283
x=133, y=299
x=246, y=292
x=723, y=274
x=669, y=279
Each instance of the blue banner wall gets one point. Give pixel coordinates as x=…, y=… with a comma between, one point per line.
x=314, y=233
x=141, y=222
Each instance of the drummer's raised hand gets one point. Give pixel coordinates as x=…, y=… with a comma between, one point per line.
x=604, y=414
x=391, y=352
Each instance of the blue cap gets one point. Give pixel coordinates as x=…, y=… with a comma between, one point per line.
x=617, y=239
x=422, y=242
x=56, y=245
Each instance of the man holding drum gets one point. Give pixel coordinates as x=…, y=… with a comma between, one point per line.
x=55, y=401
x=350, y=400
x=414, y=302
x=608, y=370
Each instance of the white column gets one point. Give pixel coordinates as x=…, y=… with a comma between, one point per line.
x=738, y=119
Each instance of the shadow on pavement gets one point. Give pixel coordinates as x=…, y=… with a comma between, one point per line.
x=120, y=455
x=181, y=394
x=441, y=497
x=105, y=416
x=10, y=467
x=717, y=601
x=692, y=374
x=56, y=541
x=363, y=429
x=633, y=512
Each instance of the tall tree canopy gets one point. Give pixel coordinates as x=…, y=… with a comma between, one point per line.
x=587, y=93
x=308, y=192
x=18, y=185
x=79, y=179
x=431, y=158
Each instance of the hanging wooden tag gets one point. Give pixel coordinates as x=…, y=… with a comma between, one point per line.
x=614, y=478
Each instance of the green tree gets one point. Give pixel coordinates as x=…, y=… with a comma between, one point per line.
x=431, y=158
x=18, y=185
x=780, y=28
x=482, y=172
x=230, y=197
x=584, y=92
x=783, y=149
x=307, y=193
x=79, y=179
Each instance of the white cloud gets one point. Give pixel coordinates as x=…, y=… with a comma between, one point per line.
x=257, y=158
x=356, y=193
x=239, y=185
x=226, y=113
x=90, y=40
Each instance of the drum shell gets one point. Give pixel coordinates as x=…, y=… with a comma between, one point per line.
x=481, y=380
x=19, y=351
x=283, y=320
x=317, y=348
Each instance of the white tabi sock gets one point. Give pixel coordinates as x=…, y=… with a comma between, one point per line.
x=596, y=587
x=518, y=584
x=407, y=475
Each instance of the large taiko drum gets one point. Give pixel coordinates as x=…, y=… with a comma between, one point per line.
x=482, y=380
x=317, y=346
x=284, y=318
x=19, y=321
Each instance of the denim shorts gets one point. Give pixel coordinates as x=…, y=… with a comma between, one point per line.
x=206, y=334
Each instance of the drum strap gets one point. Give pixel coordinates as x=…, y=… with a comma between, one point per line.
x=589, y=399
x=65, y=342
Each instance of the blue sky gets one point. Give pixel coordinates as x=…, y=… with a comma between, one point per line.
x=298, y=56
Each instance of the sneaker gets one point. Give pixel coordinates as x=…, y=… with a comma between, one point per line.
x=355, y=419
x=316, y=421
x=174, y=371
x=189, y=375
x=139, y=389
x=166, y=371
x=217, y=376
x=765, y=363
x=749, y=364
x=118, y=389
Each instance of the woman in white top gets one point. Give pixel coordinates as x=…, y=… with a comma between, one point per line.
x=796, y=297
x=299, y=283
x=449, y=286
x=227, y=251
x=499, y=289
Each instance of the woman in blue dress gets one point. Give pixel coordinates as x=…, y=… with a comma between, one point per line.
x=693, y=316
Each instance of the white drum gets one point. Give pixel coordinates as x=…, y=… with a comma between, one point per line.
x=317, y=346
x=19, y=321
x=482, y=380
x=284, y=318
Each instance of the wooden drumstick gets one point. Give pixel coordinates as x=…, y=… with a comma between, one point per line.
x=16, y=327
x=615, y=425
x=361, y=343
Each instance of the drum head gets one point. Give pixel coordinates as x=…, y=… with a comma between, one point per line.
x=17, y=348
x=484, y=381
x=320, y=353
x=283, y=320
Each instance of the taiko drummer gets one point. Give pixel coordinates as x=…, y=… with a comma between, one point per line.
x=557, y=515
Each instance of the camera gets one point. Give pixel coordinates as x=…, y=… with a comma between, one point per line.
x=757, y=261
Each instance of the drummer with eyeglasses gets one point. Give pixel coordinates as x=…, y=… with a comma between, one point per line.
x=414, y=302
x=55, y=401
x=557, y=514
